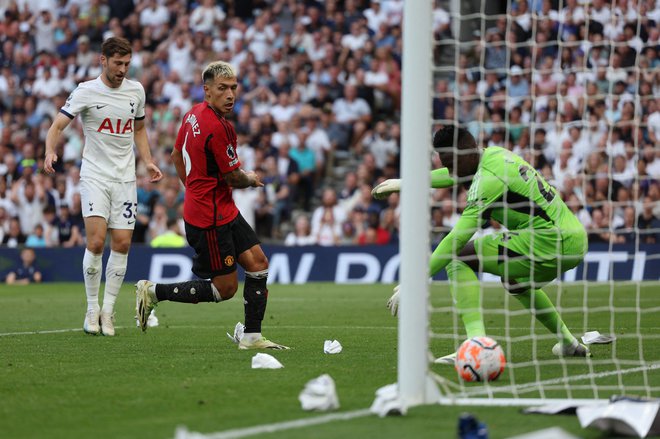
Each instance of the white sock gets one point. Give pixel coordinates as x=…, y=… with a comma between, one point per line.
x=251, y=336
x=114, y=277
x=92, y=265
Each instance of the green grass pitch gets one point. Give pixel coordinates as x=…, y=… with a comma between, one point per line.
x=65, y=384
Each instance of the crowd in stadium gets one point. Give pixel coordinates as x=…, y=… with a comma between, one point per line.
x=572, y=88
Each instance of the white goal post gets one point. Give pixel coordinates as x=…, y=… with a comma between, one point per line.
x=630, y=366
x=415, y=386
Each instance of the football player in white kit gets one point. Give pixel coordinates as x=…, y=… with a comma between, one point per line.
x=112, y=111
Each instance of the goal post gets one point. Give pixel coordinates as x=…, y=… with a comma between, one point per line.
x=471, y=73
x=414, y=386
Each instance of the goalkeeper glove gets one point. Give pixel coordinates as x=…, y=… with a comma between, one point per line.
x=386, y=188
x=393, y=303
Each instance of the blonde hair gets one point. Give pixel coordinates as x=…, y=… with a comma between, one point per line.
x=218, y=68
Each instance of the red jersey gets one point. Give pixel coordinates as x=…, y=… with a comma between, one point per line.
x=207, y=142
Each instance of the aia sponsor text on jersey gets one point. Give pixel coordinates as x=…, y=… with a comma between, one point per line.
x=118, y=126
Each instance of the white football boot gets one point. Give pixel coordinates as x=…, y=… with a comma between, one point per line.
x=91, y=322
x=248, y=341
x=152, y=320
x=108, y=324
x=145, y=302
x=574, y=349
x=447, y=359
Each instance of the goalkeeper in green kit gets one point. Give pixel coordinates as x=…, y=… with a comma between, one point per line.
x=543, y=237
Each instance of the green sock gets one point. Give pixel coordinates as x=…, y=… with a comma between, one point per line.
x=464, y=287
x=546, y=313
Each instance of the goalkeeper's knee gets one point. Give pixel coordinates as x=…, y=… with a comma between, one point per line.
x=515, y=287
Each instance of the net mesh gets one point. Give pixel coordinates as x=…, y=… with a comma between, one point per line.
x=572, y=88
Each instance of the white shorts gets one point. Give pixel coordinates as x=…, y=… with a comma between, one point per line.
x=114, y=201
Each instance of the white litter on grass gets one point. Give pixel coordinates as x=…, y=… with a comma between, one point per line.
x=388, y=402
x=595, y=337
x=239, y=329
x=265, y=361
x=319, y=394
x=332, y=347
x=547, y=433
x=631, y=418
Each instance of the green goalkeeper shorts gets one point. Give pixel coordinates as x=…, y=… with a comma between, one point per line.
x=531, y=256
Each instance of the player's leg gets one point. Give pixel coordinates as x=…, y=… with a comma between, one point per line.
x=538, y=302
x=115, y=270
x=95, y=209
x=523, y=277
x=490, y=256
x=209, y=245
x=255, y=291
x=466, y=293
x=121, y=221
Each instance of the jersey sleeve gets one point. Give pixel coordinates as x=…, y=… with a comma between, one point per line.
x=486, y=189
x=76, y=103
x=178, y=143
x=224, y=148
x=139, y=113
x=440, y=178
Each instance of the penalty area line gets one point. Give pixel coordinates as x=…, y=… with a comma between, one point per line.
x=183, y=433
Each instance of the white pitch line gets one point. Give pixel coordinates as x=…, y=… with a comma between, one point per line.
x=47, y=331
x=562, y=380
x=365, y=328
x=182, y=432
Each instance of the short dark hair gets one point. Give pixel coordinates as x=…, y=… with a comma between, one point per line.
x=449, y=139
x=116, y=46
x=457, y=144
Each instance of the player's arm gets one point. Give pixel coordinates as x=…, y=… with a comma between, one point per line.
x=449, y=247
x=440, y=178
x=452, y=244
x=142, y=143
x=486, y=189
x=179, y=165
x=240, y=179
x=59, y=124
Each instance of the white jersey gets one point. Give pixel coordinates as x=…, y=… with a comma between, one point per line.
x=108, y=116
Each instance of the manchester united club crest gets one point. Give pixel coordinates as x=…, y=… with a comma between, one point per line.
x=229, y=261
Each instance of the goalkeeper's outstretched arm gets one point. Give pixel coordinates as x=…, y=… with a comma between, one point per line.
x=439, y=179
x=449, y=248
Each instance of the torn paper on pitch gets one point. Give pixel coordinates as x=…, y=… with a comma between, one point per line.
x=239, y=329
x=332, y=347
x=388, y=402
x=595, y=337
x=632, y=418
x=319, y=394
x=265, y=361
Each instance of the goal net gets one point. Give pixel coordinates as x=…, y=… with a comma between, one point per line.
x=570, y=86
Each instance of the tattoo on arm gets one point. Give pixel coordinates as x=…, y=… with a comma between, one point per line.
x=238, y=179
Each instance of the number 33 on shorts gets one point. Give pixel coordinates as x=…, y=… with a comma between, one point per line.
x=130, y=211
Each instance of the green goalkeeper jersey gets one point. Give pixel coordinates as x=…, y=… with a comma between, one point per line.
x=509, y=190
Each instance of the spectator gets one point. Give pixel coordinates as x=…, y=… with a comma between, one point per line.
x=206, y=17
x=171, y=238
x=374, y=233
x=306, y=164
x=352, y=113
x=30, y=200
x=26, y=272
x=14, y=236
x=302, y=233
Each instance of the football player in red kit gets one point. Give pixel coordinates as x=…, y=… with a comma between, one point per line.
x=207, y=164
